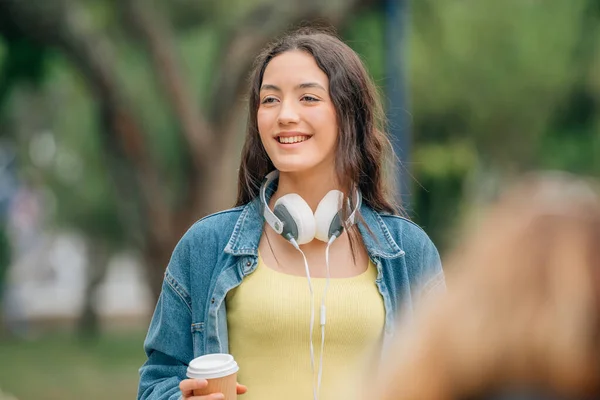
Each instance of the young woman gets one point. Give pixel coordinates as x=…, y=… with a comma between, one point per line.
x=310, y=269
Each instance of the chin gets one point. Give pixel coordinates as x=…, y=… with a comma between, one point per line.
x=284, y=167
x=294, y=167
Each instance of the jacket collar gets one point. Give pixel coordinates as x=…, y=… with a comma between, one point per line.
x=248, y=230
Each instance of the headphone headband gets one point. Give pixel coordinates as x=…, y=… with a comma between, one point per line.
x=270, y=217
x=277, y=224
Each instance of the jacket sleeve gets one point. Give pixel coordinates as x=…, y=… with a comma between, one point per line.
x=169, y=343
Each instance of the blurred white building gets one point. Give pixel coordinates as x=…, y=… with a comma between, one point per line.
x=47, y=280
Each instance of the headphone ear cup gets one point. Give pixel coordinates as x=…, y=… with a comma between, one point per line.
x=297, y=217
x=327, y=216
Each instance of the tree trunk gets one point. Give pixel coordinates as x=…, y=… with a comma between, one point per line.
x=212, y=136
x=98, y=255
x=156, y=258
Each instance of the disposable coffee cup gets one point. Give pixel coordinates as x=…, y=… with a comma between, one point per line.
x=220, y=370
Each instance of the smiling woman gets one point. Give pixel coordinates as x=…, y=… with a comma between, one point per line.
x=252, y=281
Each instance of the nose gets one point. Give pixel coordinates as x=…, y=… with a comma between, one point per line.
x=287, y=113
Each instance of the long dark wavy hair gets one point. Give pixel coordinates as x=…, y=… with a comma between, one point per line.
x=363, y=154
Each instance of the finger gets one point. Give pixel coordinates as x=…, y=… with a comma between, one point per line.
x=187, y=386
x=241, y=389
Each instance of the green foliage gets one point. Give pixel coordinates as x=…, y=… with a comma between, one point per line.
x=496, y=88
x=22, y=61
x=365, y=34
x=61, y=150
x=500, y=67
x=77, y=176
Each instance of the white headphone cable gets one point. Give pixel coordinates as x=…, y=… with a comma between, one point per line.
x=323, y=310
x=312, y=315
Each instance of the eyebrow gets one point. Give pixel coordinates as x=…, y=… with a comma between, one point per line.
x=305, y=85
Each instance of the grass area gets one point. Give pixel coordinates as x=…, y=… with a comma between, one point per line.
x=60, y=366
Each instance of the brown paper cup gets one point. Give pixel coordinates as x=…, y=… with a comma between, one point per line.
x=226, y=385
x=220, y=370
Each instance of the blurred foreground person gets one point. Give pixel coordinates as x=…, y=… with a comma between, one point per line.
x=521, y=316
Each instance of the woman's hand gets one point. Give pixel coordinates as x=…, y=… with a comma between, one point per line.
x=188, y=386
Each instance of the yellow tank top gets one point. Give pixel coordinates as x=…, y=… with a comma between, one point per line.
x=268, y=319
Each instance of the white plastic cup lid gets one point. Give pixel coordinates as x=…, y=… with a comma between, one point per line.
x=212, y=366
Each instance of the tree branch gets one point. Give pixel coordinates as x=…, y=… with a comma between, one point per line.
x=57, y=24
x=255, y=31
x=157, y=37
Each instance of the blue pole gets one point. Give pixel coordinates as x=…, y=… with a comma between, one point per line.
x=396, y=24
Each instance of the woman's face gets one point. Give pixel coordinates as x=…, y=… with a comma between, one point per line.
x=296, y=118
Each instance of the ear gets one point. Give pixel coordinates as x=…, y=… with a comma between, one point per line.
x=327, y=216
x=297, y=217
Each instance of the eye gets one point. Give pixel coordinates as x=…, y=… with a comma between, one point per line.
x=309, y=99
x=269, y=100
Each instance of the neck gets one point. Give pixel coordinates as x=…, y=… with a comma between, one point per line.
x=312, y=187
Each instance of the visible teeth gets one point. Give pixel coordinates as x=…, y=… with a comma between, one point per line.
x=293, y=139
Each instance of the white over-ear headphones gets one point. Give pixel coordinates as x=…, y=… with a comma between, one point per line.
x=293, y=218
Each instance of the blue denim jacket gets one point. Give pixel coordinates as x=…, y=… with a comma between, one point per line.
x=216, y=254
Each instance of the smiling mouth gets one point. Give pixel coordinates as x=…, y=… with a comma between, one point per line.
x=292, y=139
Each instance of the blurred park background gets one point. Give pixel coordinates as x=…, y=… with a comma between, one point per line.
x=121, y=123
